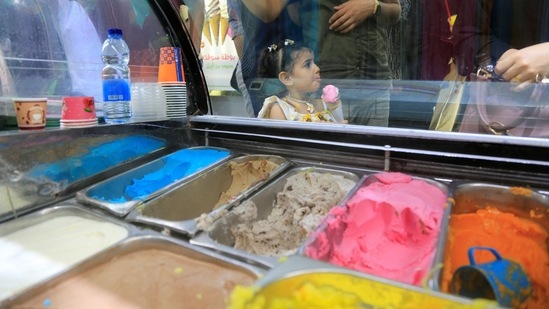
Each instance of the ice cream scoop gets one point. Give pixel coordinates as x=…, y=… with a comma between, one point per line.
x=503, y=280
x=330, y=94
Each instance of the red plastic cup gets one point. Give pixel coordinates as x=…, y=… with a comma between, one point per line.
x=78, y=108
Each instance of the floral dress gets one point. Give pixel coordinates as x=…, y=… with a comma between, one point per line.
x=291, y=112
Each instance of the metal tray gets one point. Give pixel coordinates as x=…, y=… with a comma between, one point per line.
x=36, y=176
x=285, y=278
x=434, y=274
x=179, y=208
x=219, y=236
x=116, y=186
x=472, y=196
x=150, y=240
x=69, y=208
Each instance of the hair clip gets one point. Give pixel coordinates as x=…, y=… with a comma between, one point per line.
x=272, y=48
x=288, y=42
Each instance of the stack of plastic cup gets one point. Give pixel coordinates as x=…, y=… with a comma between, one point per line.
x=176, y=99
x=171, y=77
x=148, y=102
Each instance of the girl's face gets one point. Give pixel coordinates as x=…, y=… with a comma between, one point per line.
x=305, y=73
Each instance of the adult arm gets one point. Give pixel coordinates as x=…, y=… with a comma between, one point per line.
x=239, y=45
x=266, y=10
x=350, y=14
x=524, y=65
x=237, y=31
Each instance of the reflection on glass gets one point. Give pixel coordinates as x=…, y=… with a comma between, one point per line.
x=401, y=59
x=52, y=48
x=397, y=63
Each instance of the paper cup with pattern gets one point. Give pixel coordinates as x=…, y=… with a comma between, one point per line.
x=78, y=108
x=170, y=68
x=30, y=113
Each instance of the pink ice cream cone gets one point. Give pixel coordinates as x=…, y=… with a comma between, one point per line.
x=330, y=96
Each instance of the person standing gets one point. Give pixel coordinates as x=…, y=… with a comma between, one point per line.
x=506, y=41
x=238, y=35
x=511, y=34
x=293, y=65
x=258, y=33
x=349, y=40
x=350, y=43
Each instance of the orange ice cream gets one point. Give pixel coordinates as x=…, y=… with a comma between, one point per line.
x=515, y=238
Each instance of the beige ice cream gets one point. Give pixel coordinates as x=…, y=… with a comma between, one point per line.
x=307, y=197
x=35, y=253
x=245, y=175
x=147, y=278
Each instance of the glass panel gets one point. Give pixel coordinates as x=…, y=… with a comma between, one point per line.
x=409, y=64
x=53, y=48
x=392, y=67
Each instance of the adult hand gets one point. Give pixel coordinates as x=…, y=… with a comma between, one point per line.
x=350, y=14
x=523, y=65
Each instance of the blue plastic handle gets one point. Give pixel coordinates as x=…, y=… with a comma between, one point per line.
x=471, y=253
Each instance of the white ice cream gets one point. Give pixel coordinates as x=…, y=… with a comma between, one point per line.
x=35, y=253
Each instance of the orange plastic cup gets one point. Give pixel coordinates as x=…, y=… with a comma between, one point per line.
x=167, y=71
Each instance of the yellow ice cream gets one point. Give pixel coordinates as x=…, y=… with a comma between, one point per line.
x=335, y=290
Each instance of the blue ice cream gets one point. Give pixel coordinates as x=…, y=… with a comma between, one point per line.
x=156, y=175
x=96, y=160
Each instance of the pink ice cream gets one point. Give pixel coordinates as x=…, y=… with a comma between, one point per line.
x=389, y=228
x=330, y=94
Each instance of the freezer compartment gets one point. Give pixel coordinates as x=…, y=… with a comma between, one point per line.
x=41, y=170
x=512, y=220
x=46, y=243
x=308, y=207
x=304, y=283
x=122, y=193
x=147, y=271
x=398, y=217
x=209, y=194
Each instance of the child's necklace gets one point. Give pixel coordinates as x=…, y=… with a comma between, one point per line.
x=310, y=107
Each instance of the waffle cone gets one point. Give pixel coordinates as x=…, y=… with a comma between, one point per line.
x=206, y=32
x=224, y=29
x=214, y=24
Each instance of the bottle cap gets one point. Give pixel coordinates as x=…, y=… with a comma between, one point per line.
x=114, y=31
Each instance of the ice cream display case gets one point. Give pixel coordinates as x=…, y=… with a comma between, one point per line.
x=195, y=230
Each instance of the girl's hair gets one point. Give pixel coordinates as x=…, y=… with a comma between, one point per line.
x=279, y=57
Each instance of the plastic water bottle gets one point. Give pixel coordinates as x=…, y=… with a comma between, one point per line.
x=116, y=78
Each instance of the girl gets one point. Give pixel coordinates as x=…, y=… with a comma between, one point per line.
x=292, y=66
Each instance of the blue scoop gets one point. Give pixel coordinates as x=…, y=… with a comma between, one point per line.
x=502, y=280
